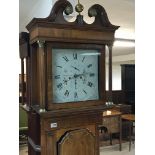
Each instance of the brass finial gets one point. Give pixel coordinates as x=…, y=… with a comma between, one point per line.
x=79, y=7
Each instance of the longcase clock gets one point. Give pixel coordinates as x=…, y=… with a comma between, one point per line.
x=66, y=80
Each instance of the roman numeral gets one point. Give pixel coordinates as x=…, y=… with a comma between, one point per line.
x=90, y=65
x=57, y=77
x=75, y=56
x=59, y=86
x=84, y=91
x=66, y=93
x=59, y=66
x=65, y=58
x=91, y=74
x=83, y=58
x=65, y=81
x=90, y=84
x=75, y=95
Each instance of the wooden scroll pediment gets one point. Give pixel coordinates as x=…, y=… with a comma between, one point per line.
x=56, y=17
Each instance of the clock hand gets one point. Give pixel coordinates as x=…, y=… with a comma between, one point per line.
x=72, y=77
x=75, y=76
x=82, y=76
x=75, y=68
x=65, y=81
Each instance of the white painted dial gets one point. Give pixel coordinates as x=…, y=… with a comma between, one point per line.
x=75, y=75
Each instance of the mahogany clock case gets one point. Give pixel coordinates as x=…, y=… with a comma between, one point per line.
x=55, y=123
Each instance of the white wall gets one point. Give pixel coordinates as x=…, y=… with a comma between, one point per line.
x=116, y=80
x=38, y=9
x=116, y=70
x=116, y=77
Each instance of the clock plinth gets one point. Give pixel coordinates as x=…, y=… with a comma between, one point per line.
x=66, y=81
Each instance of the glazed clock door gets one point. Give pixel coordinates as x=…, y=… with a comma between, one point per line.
x=74, y=75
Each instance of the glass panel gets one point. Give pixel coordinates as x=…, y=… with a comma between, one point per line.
x=75, y=75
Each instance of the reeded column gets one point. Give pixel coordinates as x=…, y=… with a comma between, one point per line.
x=41, y=53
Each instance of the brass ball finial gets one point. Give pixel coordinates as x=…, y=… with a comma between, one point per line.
x=79, y=7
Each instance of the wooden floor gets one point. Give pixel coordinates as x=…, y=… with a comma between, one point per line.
x=108, y=150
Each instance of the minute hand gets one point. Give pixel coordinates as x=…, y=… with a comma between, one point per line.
x=75, y=68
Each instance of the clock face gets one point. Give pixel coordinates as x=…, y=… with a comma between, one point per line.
x=74, y=75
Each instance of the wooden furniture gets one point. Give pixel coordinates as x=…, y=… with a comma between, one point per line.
x=62, y=121
x=123, y=108
x=128, y=84
x=130, y=118
x=117, y=96
x=112, y=121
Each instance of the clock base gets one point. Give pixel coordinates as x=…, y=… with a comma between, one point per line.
x=62, y=133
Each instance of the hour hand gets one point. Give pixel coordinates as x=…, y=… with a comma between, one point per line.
x=75, y=68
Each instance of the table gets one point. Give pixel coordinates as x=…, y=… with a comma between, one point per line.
x=131, y=119
x=112, y=121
